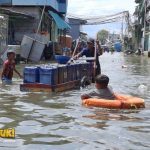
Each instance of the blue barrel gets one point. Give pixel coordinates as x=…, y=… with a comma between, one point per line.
x=48, y=75
x=31, y=74
x=118, y=46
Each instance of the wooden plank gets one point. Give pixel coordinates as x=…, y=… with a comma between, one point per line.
x=25, y=89
x=35, y=87
x=66, y=86
x=29, y=87
x=87, y=58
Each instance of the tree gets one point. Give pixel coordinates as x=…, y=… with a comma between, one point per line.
x=102, y=35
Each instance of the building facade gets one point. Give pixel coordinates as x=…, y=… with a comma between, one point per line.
x=142, y=25
x=25, y=18
x=148, y=24
x=75, y=25
x=3, y=31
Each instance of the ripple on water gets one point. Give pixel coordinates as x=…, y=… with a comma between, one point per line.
x=24, y=106
x=5, y=120
x=58, y=121
x=28, y=127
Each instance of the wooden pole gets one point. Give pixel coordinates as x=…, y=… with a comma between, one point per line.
x=95, y=54
x=75, y=49
x=41, y=19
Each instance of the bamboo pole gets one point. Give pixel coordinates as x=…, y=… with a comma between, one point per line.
x=95, y=54
x=41, y=18
x=74, y=51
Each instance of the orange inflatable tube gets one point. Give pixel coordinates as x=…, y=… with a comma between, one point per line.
x=121, y=102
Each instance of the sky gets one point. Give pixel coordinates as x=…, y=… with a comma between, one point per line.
x=100, y=8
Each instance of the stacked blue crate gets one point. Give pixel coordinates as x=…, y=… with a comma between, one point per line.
x=74, y=73
x=48, y=75
x=31, y=74
x=91, y=69
x=69, y=73
x=60, y=75
x=78, y=71
x=83, y=70
x=65, y=74
x=53, y=75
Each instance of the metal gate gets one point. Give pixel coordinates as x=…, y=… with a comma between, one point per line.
x=3, y=32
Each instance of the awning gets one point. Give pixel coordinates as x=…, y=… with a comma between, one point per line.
x=61, y=24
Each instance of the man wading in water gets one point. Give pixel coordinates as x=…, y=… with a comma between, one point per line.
x=89, y=51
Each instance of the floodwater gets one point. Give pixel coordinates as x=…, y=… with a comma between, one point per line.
x=58, y=121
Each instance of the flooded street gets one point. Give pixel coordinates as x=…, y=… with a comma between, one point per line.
x=57, y=121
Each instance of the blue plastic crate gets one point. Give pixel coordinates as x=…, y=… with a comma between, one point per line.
x=91, y=70
x=78, y=71
x=62, y=59
x=31, y=74
x=48, y=75
x=71, y=72
x=74, y=72
x=65, y=79
x=85, y=69
x=62, y=74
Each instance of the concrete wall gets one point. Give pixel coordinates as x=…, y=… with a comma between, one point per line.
x=3, y=31
x=52, y=3
x=58, y=5
x=62, y=7
x=18, y=27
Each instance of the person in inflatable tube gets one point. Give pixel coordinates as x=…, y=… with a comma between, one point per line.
x=8, y=68
x=102, y=90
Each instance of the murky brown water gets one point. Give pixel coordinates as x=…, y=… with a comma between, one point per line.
x=58, y=121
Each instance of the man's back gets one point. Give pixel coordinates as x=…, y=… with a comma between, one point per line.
x=105, y=93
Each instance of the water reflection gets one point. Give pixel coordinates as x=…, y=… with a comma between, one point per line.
x=59, y=121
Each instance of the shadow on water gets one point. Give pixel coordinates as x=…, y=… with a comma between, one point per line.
x=57, y=121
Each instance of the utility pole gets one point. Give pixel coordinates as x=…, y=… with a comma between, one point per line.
x=122, y=28
x=43, y=11
x=144, y=31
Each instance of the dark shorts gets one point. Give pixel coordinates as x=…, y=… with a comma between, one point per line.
x=98, y=68
x=5, y=80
